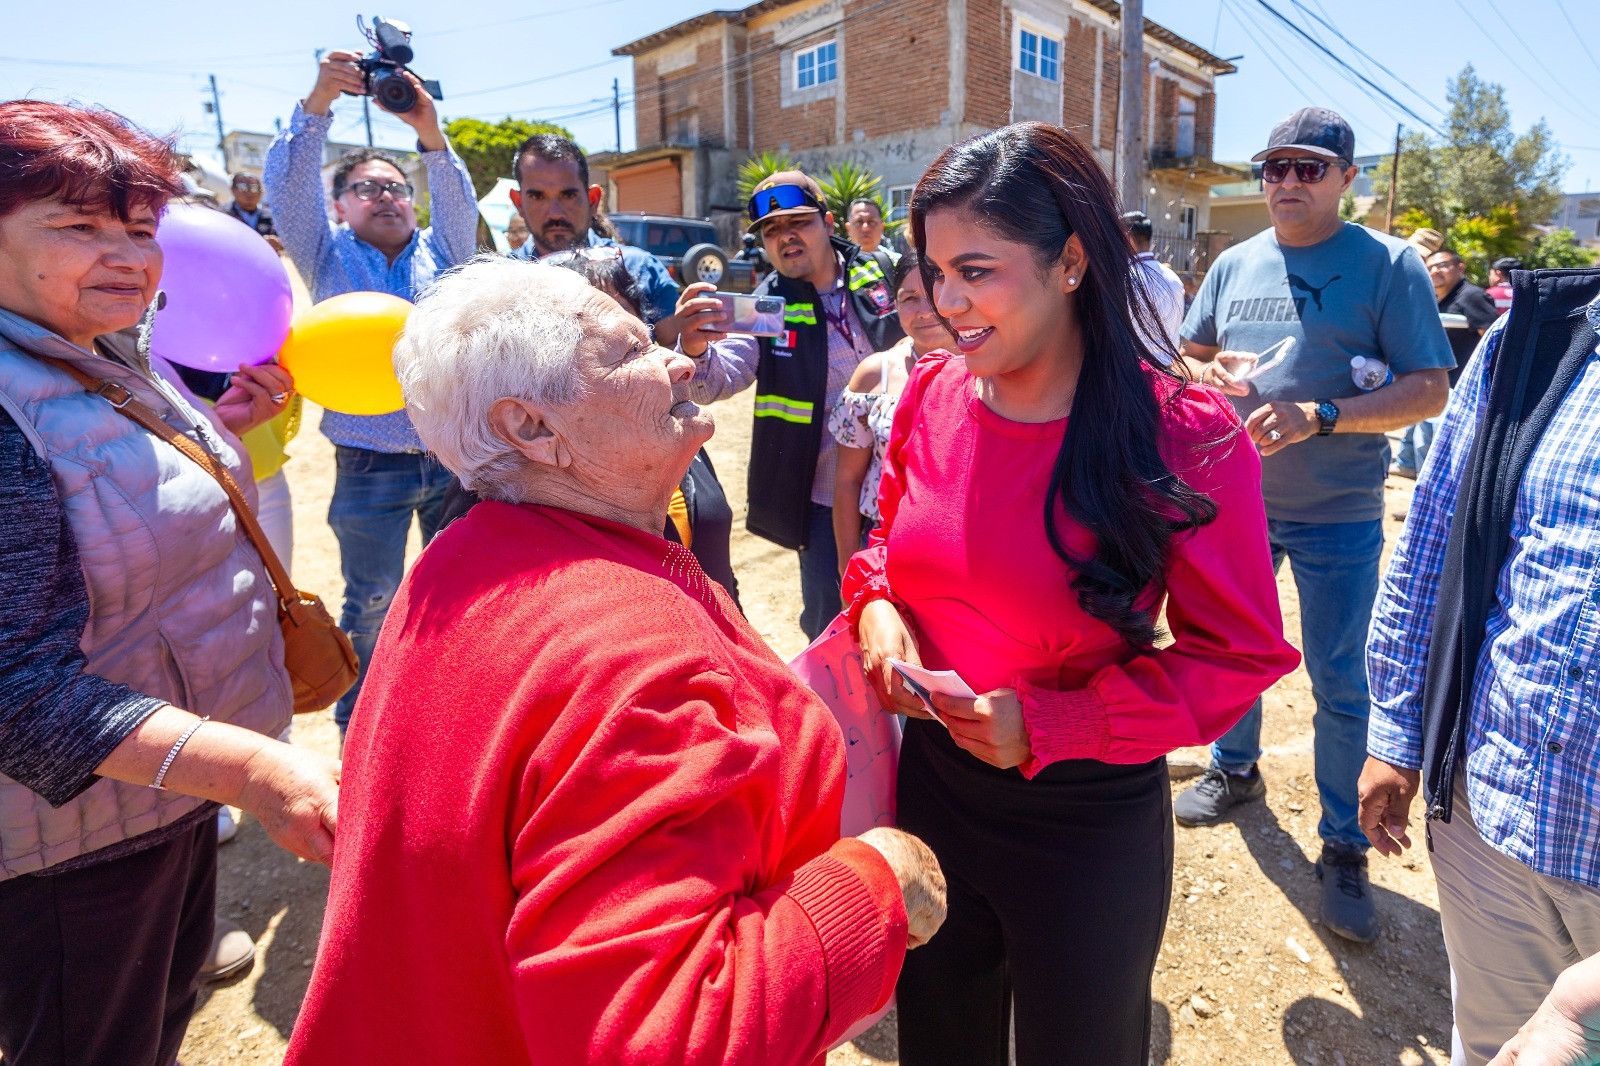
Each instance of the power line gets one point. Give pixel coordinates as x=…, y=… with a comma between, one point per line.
x=536, y=81
x=1275, y=13
x=1358, y=50
x=1575, y=33
x=1543, y=91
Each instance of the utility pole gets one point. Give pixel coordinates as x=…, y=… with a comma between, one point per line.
x=366, y=113
x=216, y=110
x=616, y=111
x=1130, y=106
x=1394, y=182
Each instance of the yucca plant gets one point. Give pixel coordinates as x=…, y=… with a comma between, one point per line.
x=759, y=168
x=845, y=183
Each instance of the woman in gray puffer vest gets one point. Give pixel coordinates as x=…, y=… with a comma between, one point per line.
x=132, y=610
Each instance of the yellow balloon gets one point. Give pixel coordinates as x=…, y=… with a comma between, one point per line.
x=341, y=353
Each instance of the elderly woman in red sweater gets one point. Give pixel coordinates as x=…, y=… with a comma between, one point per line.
x=588, y=816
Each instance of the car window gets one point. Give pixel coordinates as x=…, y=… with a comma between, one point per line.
x=675, y=238
x=629, y=230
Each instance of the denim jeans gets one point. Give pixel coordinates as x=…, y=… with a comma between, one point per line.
x=1335, y=569
x=819, y=574
x=1415, y=442
x=374, y=496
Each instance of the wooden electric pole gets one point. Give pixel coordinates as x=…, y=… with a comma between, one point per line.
x=616, y=111
x=1394, y=181
x=216, y=109
x=1130, y=107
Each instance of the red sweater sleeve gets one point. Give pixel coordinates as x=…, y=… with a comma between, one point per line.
x=1222, y=610
x=648, y=927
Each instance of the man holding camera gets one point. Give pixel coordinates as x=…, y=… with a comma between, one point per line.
x=839, y=309
x=371, y=244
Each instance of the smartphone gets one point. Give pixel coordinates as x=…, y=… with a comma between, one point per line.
x=759, y=316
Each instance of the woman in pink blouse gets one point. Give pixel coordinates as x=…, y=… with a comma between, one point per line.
x=1046, y=492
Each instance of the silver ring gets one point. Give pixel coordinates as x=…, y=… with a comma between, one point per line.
x=1274, y=436
x=280, y=397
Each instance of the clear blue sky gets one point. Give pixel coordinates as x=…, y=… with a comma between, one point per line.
x=552, y=59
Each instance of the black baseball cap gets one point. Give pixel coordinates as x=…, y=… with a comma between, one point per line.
x=1316, y=130
x=1509, y=263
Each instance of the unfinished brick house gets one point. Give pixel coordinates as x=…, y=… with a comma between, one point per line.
x=889, y=83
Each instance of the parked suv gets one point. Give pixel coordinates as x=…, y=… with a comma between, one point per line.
x=688, y=246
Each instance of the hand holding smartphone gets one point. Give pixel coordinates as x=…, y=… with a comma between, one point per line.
x=758, y=316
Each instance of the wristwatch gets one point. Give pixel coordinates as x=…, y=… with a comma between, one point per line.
x=1327, y=417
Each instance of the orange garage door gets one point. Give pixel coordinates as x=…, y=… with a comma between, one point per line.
x=656, y=188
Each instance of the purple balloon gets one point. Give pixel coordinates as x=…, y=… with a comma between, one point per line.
x=228, y=295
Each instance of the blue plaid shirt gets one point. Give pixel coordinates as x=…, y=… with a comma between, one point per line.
x=1532, y=737
x=333, y=260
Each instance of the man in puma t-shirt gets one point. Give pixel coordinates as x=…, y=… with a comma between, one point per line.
x=1339, y=291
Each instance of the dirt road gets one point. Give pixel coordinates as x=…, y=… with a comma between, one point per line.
x=1246, y=976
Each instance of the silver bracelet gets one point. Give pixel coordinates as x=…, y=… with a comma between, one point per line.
x=177, y=746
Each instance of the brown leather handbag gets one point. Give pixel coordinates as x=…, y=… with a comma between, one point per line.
x=321, y=662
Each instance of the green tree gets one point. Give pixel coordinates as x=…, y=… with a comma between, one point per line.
x=845, y=183
x=1551, y=251
x=1480, y=165
x=487, y=147
x=758, y=168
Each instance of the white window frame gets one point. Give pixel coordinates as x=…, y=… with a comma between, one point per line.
x=814, y=53
x=1040, y=32
x=900, y=202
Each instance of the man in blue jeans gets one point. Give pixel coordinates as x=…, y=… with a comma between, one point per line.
x=372, y=244
x=1333, y=291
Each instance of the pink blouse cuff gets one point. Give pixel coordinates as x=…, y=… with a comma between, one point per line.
x=875, y=587
x=1062, y=725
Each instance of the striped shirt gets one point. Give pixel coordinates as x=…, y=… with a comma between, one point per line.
x=334, y=261
x=1531, y=743
x=729, y=366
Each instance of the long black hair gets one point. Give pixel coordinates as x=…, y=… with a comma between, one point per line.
x=1037, y=185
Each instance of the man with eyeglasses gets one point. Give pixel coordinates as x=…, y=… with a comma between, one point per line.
x=839, y=309
x=247, y=206
x=1335, y=291
x=372, y=243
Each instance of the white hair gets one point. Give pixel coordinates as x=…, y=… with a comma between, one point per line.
x=494, y=328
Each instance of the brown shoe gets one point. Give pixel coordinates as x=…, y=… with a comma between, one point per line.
x=232, y=952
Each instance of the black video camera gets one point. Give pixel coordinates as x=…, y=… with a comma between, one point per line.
x=383, y=68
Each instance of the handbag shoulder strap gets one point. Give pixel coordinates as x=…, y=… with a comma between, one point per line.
x=129, y=407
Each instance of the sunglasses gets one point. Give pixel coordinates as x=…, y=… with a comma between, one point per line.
x=248, y=186
x=781, y=198
x=599, y=253
x=1309, y=171
x=400, y=191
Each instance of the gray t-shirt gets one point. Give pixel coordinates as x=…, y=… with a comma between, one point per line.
x=1357, y=293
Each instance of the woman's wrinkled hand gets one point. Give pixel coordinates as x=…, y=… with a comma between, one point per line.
x=255, y=394
x=1565, y=1031
x=921, y=881
x=294, y=794
x=884, y=636
x=990, y=727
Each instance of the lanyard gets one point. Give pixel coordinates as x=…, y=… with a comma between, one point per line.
x=841, y=321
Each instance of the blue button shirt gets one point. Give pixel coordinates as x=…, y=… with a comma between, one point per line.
x=333, y=260
x=1532, y=740
x=655, y=283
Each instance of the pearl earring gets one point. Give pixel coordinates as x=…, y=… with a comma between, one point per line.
x=1072, y=281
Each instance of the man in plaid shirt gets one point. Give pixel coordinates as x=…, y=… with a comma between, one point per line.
x=1503, y=739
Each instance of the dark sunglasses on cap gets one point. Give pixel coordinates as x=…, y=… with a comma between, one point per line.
x=1309, y=171
x=781, y=198
x=368, y=189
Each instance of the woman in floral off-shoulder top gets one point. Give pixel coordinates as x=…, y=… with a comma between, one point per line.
x=861, y=419
x=1046, y=493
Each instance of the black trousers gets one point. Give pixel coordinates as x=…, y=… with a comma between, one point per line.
x=98, y=966
x=1058, y=895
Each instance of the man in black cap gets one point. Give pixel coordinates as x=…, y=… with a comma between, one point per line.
x=1499, y=289
x=1351, y=312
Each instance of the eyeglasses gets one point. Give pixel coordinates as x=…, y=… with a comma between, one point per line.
x=399, y=191
x=1309, y=171
x=599, y=253
x=781, y=198
x=248, y=186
